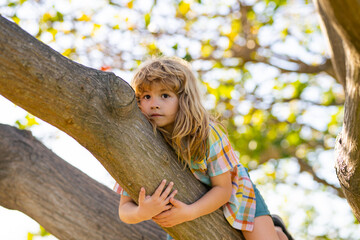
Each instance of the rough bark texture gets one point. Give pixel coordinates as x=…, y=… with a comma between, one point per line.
x=335, y=43
x=342, y=20
x=61, y=198
x=99, y=110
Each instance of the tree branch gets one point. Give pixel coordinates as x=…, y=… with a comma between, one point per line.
x=335, y=43
x=342, y=20
x=345, y=18
x=65, y=201
x=305, y=167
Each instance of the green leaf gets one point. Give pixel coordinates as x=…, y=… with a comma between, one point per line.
x=59, y=17
x=187, y=57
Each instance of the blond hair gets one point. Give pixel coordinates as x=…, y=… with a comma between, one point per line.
x=191, y=127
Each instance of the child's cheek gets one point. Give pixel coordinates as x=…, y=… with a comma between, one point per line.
x=142, y=110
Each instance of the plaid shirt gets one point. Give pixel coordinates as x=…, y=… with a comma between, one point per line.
x=240, y=210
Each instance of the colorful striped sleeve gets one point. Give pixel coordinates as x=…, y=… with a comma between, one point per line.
x=120, y=190
x=221, y=157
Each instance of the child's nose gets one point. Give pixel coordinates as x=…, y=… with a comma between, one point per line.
x=155, y=104
x=155, y=107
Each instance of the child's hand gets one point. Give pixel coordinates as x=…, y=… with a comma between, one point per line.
x=179, y=213
x=150, y=206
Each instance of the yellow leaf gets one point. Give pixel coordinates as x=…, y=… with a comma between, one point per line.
x=235, y=26
x=271, y=174
x=67, y=52
x=147, y=18
x=96, y=27
x=30, y=236
x=53, y=32
x=16, y=19
x=84, y=18
x=206, y=50
x=20, y=125
x=31, y=121
x=258, y=117
x=284, y=33
x=247, y=119
x=184, y=7
x=46, y=17
x=130, y=4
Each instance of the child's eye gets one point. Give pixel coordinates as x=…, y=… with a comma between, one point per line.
x=165, y=95
x=146, y=96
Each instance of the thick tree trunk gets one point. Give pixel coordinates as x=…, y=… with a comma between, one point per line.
x=343, y=21
x=99, y=110
x=67, y=202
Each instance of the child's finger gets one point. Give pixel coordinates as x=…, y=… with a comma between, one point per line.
x=159, y=222
x=168, y=207
x=163, y=222
x=163, y=215
x=174, y=202
x=142, y=195
x=160, y=188
x=167, y=190
x=172, y=195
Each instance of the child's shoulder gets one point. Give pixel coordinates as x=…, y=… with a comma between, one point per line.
x=216, y=132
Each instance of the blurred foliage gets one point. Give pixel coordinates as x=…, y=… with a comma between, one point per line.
x=41, y=233
x=26, y=123
x=263, y=65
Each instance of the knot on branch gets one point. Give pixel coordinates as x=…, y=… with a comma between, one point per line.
x=347, y=169
x=120, y=98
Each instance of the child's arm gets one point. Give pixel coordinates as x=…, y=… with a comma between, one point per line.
x=149, y=206
x=217, y=196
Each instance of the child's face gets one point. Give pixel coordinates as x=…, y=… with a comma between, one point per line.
x=160, y=105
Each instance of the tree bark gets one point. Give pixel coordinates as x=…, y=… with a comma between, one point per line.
x=335, y=43
x=65, y=201
x=99, y=110
x=344, y=20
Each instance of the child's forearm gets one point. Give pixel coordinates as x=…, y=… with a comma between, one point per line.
x=210, y=202
x=129, y=213
x=180, y=212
